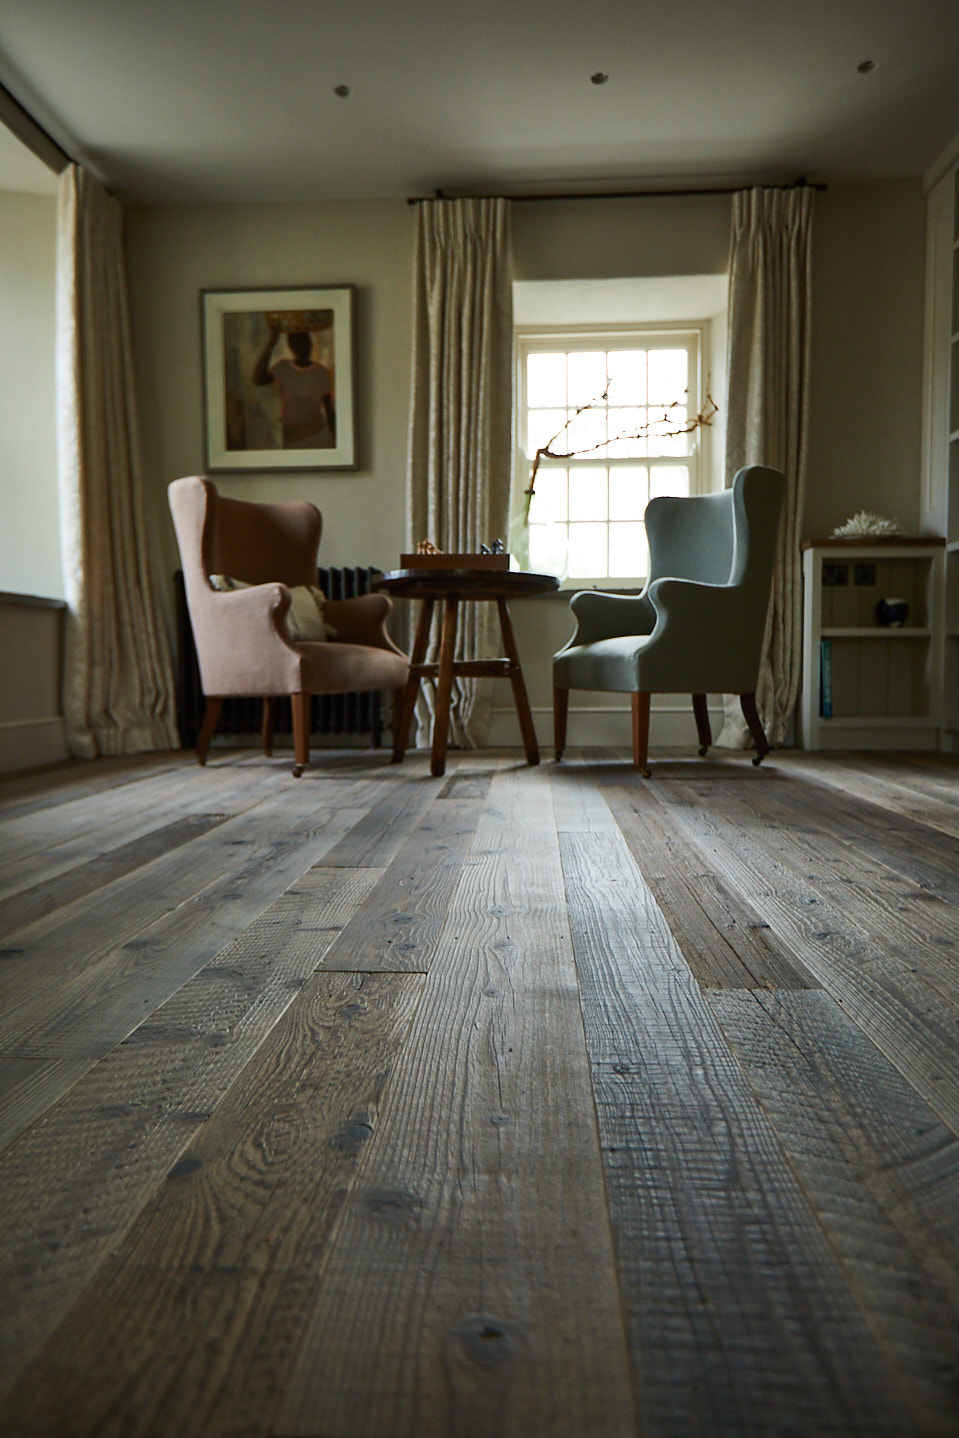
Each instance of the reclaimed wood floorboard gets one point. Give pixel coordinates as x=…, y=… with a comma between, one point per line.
x=862, y=967
x=33, y=903
x=193, y=1319
x=525, y=1103
x=477, y=1239
x=721, y=939
x=889, y=786
x=71, y=1187
x=881, y=1170
x=399, y=926
x=87, y=1007
x=740, y=1318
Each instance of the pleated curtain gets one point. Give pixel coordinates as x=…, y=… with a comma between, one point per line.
x=118, y=689
x=767, y=389
x=460, y=416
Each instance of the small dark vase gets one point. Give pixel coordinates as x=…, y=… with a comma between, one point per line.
x=892, y=613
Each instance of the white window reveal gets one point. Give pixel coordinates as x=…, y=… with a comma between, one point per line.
x=615, y=407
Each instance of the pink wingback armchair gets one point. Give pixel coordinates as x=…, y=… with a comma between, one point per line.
x=243, y=643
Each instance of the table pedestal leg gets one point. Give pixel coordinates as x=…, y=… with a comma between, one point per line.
x=407, y=704
x=444, y=687
x=519, y=688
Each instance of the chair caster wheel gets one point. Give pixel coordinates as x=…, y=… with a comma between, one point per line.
x=756, y=761
x=558, y=755
x=645, y=773
x=703, y=751
x=298, y=770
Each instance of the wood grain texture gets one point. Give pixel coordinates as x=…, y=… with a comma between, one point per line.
x=35, y=902
x=477, y=1238
x=193, y=1319
x=28, y=1087
x=914, y=923
x=880, y=1168
x=926, y=856
x=248, y=1196
x=71, y=1187
x=376, y=838
x=96, y=1004
x=398, y=927
x=865, y=968
x=578, y=805
x=740, y=1319
x=467, y=784
x=882, y=783
x=723, y=941
x=37, y=844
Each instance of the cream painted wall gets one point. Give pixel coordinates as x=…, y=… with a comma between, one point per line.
x=866, y=391
x=30, y=530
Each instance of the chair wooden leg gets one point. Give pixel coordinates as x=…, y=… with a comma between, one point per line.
x=560, y=710
x=301, y=732
x=269, y=724
x=702, y=722
x=751, y=715
x=211, y=718
x=641, y=732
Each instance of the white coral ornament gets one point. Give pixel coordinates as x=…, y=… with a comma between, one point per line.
x=867, y=526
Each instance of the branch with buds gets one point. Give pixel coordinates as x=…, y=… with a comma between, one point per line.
x=547, y=451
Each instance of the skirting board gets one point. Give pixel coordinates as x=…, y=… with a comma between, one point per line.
x=888, y=738
x=28, y=743
x=670, y=726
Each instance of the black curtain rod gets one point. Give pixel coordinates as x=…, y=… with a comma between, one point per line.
x=618, y=194
x=31, y=133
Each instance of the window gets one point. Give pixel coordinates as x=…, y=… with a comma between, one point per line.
x=616, y=402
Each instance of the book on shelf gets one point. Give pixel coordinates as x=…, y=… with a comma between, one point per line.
x=825, y=678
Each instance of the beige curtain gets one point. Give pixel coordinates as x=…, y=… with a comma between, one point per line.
x=118, y=682
x=461, y=414
x=767, y=392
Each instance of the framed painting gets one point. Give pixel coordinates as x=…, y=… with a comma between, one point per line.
x=278, y=378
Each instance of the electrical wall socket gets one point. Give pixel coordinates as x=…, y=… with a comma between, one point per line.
x=834, y=575
x=864, y=574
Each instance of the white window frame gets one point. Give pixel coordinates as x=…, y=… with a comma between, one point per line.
x=532, y=338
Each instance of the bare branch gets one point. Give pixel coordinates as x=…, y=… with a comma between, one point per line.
x=546, y=451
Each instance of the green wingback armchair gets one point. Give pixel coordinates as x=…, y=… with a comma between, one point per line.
x=698, y=625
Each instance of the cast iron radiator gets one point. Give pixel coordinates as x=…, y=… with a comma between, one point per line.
x=330, y=714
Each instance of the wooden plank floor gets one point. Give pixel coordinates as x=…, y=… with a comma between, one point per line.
x=526, y=1103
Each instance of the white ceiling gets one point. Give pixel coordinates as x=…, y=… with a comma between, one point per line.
x=219, y=100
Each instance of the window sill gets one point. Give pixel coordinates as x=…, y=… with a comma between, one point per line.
x=31, y=601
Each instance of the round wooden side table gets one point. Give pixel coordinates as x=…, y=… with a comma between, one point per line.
x=455, y=587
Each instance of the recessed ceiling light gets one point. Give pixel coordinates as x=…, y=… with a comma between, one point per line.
x=598, y=78
x=866, y=67
x=341, y=90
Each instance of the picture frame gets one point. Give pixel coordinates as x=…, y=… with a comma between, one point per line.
x=278, y=372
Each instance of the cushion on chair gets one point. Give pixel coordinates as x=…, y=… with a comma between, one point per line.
x=305, y=617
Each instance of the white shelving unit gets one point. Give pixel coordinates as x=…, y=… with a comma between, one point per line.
x=885, y=683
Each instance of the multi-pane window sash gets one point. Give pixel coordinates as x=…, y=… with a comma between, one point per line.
x=617, y=408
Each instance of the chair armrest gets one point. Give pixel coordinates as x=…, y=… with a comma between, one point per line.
x=606, y=616
x=362, y=621
x=712, y=607
x=241, y=640
x=707, y=639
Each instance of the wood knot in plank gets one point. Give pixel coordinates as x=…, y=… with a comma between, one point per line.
x=485, y=1340
x=396, y=1205
x=184, y=1168
x=352, y=1135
